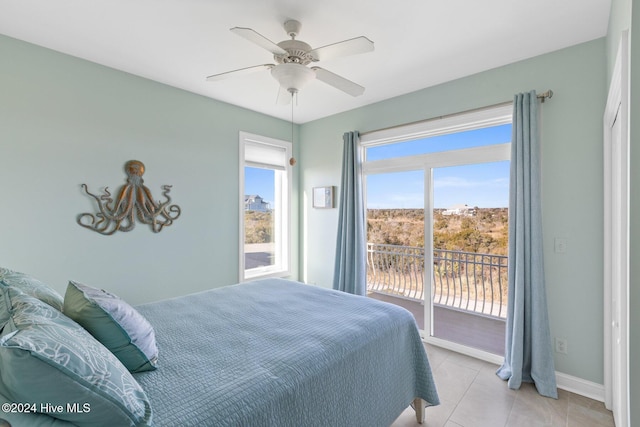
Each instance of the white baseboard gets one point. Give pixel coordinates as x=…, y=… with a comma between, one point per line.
x=463, y=349
x=564, y=381
x=579, y=386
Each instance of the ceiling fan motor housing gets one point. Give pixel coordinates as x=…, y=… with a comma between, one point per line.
x=297, y=52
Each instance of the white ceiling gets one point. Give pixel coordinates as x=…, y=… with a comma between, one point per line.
x=418, y=43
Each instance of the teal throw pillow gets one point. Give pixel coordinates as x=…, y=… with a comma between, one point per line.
x=113, y=322
x=49, y=360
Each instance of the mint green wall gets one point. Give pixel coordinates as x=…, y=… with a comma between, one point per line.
x=572, y=180
x=66, y=121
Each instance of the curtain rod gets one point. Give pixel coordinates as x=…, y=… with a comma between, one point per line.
x=541, y=96
x=544, y=95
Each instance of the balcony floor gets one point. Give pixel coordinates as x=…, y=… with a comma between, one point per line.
x=473, y=330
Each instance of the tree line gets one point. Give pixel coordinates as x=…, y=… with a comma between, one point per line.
x=484, y=232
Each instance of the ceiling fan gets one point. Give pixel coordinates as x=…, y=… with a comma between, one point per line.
x=292, y=58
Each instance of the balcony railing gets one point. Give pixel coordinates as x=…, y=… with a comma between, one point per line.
x=463, y=280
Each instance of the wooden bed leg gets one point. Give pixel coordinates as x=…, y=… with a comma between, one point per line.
x=419, y=406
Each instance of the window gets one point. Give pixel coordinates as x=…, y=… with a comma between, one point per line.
x=265, y=194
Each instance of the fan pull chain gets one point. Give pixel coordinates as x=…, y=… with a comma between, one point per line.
x=292, y=160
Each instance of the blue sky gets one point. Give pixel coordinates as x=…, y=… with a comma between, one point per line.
x=260, y=182
x=482, y=185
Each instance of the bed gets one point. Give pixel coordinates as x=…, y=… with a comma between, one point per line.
x=275, y=352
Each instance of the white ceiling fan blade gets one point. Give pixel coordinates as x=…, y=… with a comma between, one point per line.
x=240, y=72
x=347, y=47
x=259, y=39
x=338, y=82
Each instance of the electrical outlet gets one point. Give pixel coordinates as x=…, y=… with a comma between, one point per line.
x=561, y=345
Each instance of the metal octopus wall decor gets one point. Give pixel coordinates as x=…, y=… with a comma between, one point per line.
x=134, y=199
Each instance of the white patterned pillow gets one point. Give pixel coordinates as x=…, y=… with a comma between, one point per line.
x=48, y=359
x=31, y=286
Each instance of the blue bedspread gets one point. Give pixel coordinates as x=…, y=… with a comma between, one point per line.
x=280, y=353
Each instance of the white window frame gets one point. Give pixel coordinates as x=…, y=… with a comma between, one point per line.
x=281, y=205
x=477, y=119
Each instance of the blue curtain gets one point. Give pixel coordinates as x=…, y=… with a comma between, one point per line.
x=528, y=351
x=350, y=274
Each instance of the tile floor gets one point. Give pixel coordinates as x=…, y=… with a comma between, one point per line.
x=471, y=395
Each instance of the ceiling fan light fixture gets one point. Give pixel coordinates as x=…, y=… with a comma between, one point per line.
x=291, y=76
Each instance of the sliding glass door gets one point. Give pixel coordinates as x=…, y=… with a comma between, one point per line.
x=470, y=246
x=437, y=227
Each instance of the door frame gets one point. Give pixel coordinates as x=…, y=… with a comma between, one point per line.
x=616, y=240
